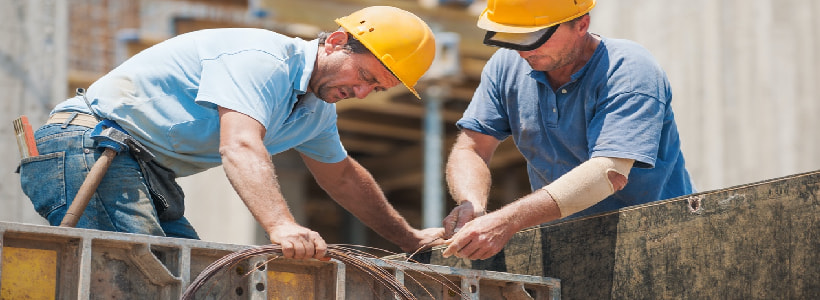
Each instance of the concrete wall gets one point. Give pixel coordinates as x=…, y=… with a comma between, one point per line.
x=744, y=76
x=32, y=78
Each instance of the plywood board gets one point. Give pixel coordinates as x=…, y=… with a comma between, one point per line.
x=756, y=241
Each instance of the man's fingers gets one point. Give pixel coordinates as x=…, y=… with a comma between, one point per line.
x=309, y=249
x=298, y=242
x=299, y=249
x=287, y=249
x=455, y=247
x=464, y=217
x=456, y=219
x=450, y=223
x=468, y=251
x=449, y=231
x=481, y=253
x=320, y=247
x=450, y=250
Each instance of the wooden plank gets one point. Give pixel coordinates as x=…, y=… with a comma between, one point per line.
x=397, y=132
x=756, y=241
x=394, y=109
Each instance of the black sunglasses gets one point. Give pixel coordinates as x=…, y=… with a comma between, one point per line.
x=488, y=40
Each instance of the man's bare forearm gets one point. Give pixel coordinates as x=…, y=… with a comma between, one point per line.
x=252, y=176
x=468, y=177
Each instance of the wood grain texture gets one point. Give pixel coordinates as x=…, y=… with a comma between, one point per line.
x=756, y=241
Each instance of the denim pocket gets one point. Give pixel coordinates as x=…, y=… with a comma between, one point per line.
x=43, y=181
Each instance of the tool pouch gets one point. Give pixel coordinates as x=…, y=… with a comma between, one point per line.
x=167, y=195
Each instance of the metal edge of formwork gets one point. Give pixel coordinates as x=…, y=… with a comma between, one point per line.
x=84, y=244
x=471, y=282
x=171, y=274
x=81, y=244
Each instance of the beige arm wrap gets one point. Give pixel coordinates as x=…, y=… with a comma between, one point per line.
x=589, y=183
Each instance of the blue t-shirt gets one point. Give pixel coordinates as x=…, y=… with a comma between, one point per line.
x=617, y=105
x=167, y=96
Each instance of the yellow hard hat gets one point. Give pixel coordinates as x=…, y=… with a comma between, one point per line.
x=400, y=39
x=526, y=23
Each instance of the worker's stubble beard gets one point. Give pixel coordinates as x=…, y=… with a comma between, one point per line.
x=321, y=83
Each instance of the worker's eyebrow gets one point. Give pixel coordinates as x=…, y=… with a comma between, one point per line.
x=366, y=76
x=371, y=79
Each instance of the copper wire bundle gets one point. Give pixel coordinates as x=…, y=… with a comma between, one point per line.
x=349, y=256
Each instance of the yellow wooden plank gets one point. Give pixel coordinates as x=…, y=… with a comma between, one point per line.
x=28, y=274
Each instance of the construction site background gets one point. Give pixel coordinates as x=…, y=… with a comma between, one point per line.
x=744, y=74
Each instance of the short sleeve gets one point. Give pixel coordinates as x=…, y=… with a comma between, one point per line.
x=486, y=113
x=325, y=147
x=250, y=82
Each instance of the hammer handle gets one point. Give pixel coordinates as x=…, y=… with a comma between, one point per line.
x=87, y=190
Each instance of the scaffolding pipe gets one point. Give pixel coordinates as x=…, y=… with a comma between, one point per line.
x=445, y=68
x=433, y=197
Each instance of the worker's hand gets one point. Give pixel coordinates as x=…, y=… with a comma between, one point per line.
x=459, y=216
x=480, y=238
x=298, y=242
x=424, y=239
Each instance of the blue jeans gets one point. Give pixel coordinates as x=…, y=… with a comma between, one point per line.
x=121, y=203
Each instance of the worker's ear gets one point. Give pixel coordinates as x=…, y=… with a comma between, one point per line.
x=335, y=41
x=582, y=25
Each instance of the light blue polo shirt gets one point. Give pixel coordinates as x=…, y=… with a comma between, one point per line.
x=617, y=105
x=167, y=96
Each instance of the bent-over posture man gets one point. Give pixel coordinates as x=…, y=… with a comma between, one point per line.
x=233, y=97
x=591, y=115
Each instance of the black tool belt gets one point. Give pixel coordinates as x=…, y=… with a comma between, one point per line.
x=167, y=195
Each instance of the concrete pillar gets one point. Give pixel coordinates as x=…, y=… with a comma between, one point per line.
x=32, y=77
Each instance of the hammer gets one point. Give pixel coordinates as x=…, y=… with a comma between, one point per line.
x=114, y=139
x=88, y=188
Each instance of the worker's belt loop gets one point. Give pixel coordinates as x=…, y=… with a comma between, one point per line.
x=68, y=120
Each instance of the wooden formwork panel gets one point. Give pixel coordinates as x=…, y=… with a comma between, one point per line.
x=756, y=241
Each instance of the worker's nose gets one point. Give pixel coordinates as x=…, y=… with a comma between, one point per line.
x=362, y=90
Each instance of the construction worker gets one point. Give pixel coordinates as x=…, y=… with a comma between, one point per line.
x=591, y=115
x=234, y=97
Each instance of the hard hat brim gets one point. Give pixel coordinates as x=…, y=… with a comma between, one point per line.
x=485, y=23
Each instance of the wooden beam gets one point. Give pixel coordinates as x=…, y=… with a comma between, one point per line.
x=394, y=132
x=403, y=181
x=394, y=109
x=368, y=146
x=401, y=161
